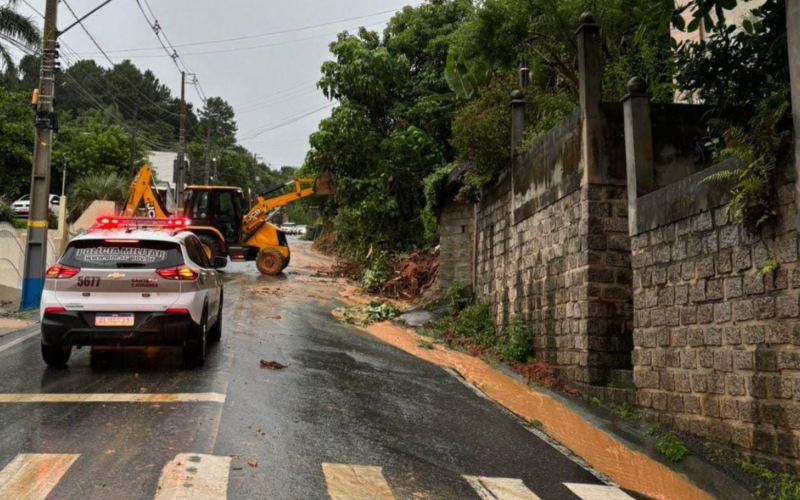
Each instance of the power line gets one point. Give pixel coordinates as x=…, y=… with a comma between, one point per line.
x=283, y=123
x=259, y=35
x=112, y=64
x=252, y=47
x=32, y=8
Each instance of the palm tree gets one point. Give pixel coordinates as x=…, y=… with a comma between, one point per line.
x=89, y=188
x=15, y=30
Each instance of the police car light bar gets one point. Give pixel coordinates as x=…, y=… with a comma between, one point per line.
x=137, y=223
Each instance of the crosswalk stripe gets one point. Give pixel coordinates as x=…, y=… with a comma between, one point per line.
x=597, y=492
x=356, y=482
x=191, y=476
x=500, y=488
x=198, y=397
x=33, y=476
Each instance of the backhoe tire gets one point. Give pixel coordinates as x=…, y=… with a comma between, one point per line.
x=211, y=246
x=269, y=262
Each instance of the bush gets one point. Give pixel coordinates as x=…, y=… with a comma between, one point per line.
x=433, y=186
x=672, y=447
x=376, y=272
x=6, y=214
x=476, y=322
x=458, y=297
x=516, y=341
x=86, y=190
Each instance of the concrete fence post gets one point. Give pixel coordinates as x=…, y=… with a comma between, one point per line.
x=518, y=104
x=793, y=35
x=638, y=145
x=590, y=83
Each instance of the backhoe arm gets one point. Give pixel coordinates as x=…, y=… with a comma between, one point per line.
x=303, y=188
x=141, y=191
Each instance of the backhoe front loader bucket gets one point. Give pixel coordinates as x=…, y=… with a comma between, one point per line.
x=323, y=185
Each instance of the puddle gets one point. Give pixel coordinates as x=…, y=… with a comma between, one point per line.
x=630, y=469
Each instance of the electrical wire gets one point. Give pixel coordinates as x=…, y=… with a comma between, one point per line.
x=252, y=134
x=94, y=41
x=252, y=47
x=259, y=35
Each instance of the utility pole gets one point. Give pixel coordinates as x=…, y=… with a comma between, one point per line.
x=208, y=148
x=133, y=143
x=36, y=243
x=181, y=145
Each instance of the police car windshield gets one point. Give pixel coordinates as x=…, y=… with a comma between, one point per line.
x=103, y=254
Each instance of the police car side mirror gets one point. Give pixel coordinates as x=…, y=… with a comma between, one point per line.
x=220, y=262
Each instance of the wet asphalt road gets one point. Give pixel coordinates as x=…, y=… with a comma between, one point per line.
x=345, y=398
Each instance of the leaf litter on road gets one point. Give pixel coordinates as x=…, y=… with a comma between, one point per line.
x=271, y=365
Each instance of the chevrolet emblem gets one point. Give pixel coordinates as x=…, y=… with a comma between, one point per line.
x=116, y=276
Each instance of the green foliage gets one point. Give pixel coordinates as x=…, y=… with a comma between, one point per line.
x=16, y=28
x=481, y=127
x=653, y=429
x=759, y=147
x=457, y=297
x=770, y=266
x=87, y=189
x=629, y=412
x=6, y=214
x=384, y=138
x=672, y=447
x=376, y=272
x=756, y=469
x=535, y=424
x=731, y=66
x=376, y=311
x=16, y=144
x=425, y=344
x=475, y=322
x=516, y=342
x=433, y=187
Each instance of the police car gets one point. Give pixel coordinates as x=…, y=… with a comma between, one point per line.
x=132, y=282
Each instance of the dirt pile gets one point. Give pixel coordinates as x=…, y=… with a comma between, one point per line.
x=541, y=373
x=411, y=276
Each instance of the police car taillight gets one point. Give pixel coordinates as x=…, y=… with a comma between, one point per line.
x=60, y=271
x=180, y=273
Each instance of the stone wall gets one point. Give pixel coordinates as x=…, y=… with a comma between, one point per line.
x=456, y=240
x=715, y=335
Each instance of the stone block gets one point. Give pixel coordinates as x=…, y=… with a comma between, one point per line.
x=722, y=312
x=743, y=310
x=780, y=333
x=716, y=383
x=741, y=436
x=744, y=360
x=729, y=408
x=688, y=359
x=786, y=250
x=714, y=289
x=689, y=315
x=733, y=287
x=719, y=432
x=699, y=383
x=764, y=439
x=695, y=337
x=705, y=313
x=697, y=291
x=723, y=262
x=754, y=334
x=714, y=336
x=681, y=295
x=754, y=284
x=742, y=260
x=787, y=307
x=723, y=360
x=765, y=307
x=646, y=379
x=787, y=444
x=733, y=335
x=687, y=271
x=703, y=222
x=692, y=405
x=766, y=360
x=660, y=401
x=705, y=267
x=729, y=236
x=706, y=357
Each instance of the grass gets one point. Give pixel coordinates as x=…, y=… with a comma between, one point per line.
x=672, y=447
x=653, y=430
x=629, y=412
x=774, y=486
x=425, y=344
x=535, y=424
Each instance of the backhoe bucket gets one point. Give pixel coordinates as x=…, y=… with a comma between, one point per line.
x=323, y=185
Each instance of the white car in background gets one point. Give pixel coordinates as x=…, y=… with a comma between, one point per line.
x=22, y=207
x=301, y=230
x=289, y=228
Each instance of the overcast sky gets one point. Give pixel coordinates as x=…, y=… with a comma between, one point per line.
x=267, y=85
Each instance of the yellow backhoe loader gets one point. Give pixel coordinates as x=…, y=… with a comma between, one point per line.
x=216, y=215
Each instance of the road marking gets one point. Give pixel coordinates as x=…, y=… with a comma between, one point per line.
x=32, y=476
x=356, y=482
x=500, y=488
x=597, y=492
x=197, y=397
x=20, y=340
x=192, y=476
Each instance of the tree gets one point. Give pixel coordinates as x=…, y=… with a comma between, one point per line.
x=220, y=116
x=385, y=136
x=19, y=29
x=16, y=144
x=89, y=188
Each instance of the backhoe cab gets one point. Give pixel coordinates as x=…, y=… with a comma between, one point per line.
x=218, y=217
x=225, y=229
